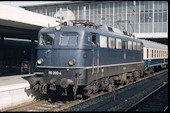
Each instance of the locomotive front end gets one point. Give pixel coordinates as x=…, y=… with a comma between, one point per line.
x=59, y=57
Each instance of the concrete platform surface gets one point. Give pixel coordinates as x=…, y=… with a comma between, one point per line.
x=14, y=90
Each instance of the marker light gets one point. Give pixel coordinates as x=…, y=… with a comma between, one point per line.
x=40, y=61
x=58, y=28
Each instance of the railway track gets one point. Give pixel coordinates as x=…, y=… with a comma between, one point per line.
x=122, y=98
x=105, y=101
x=156, y=101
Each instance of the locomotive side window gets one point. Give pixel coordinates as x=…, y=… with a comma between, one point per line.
x=46, y=39
x=103, y=41
x=68, y=39
x=138, y=46
x=118, y=44
x=124, y=45
x=130, y=45
x=134, y=45
x=111, y=42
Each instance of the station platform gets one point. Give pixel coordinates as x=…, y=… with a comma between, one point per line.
x=14, y=90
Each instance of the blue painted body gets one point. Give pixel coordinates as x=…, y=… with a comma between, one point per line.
x=82, y=53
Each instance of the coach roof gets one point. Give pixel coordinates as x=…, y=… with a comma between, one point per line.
x=151, y=44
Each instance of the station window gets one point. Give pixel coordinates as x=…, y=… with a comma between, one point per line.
x=111, y=42
x=103, y=41
x=134, y=45
x=130, y=45
x=157, y=53
x=152, y=53
x=124, y=45
x=118, y=44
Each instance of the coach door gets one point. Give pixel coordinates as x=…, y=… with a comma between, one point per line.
x=95, y=53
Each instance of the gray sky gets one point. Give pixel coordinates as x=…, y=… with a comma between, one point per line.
x=25, y=3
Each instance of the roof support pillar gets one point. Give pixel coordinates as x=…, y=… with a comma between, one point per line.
x=2, y=63
x=32, y=63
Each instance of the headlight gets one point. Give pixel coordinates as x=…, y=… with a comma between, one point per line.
x=40, y=61
x=71, y=62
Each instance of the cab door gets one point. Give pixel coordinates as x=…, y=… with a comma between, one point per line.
x=95, y=53
x=44, y=50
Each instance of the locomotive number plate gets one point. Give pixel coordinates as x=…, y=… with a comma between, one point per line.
x=54, y=72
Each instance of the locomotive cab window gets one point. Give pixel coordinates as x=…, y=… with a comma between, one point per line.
x=46, y=39
x=69, y=39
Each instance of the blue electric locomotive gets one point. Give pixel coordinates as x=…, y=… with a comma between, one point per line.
x=85, y=58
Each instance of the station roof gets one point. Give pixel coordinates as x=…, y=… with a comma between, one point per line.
x=17, y=22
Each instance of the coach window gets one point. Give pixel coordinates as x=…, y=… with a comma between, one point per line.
x=118, y=44
x=164, y=54
x=134, y=45
x=111, y=42
x=161, y=53
x=130, y=45
x=154, y=53
x=103, y=41
x=147, y=53
x=124, y=45
x=46, y=39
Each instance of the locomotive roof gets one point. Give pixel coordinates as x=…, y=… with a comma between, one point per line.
x=81, y=28
x=151, y=44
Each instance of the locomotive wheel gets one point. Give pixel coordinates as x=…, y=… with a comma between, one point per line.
x=87, y=91
x=95, y=87
x=111, y=86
